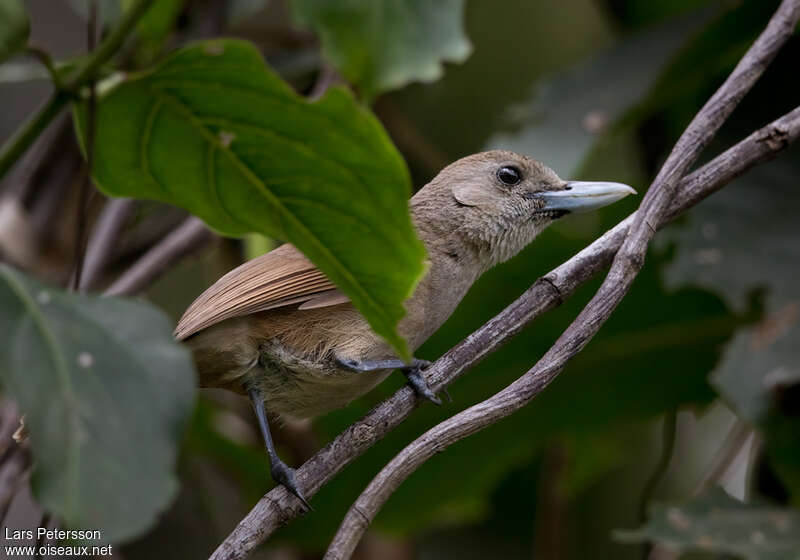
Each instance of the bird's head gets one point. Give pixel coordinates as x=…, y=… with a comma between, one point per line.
x=499, y=201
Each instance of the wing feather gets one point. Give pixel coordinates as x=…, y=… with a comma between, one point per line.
x=283, y=277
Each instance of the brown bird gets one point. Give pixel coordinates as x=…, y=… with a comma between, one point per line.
x=278, y=330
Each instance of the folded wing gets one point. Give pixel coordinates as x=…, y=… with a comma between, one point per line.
x=283, y=277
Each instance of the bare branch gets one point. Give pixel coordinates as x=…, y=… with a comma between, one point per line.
x=626, y=265
x=186, y=238
x=104, y=239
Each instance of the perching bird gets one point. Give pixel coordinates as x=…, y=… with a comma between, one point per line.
x=277, y=329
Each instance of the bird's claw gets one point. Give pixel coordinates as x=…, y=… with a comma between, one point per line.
x=284, y=475
x=418, y=382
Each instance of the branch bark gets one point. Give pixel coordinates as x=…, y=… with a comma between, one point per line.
x=103, y=242
x=627, y=263
x=190, y=236
x=278, y=508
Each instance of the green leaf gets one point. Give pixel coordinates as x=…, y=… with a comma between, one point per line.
x=14, y=28
x=241, y=10
x=155, y=25
x=384, y=44
x=215, y=131
x=716, y=522
x=740, y=240
x=106, y=394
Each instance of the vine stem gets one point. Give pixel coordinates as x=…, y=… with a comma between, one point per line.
x=45, y=60
x=21, y=141
x=91, y=124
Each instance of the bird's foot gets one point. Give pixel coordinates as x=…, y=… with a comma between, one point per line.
x=284, y=475
x=411, y=371
x=414, y=376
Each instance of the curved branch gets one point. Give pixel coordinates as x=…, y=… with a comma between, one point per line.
x=627, y=263
x=188, y=237
x=104, y=239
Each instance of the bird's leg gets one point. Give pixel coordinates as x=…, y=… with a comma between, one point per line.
x=411, y=371
x=280, y=471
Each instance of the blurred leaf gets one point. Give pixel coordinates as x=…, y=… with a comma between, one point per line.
x=16, y=72
x=684, y=85
x=256, y=245
x=384, y=44
x=716, y=522
x=153, y=28
x=240, y=10
x=106, y=394
x=248, y=462
x=109, y=11
x=215, y=131
x=570, y=109
x=635, y=13
x=739, y=240
x=512, y=47
x=156, y=24
x=14, y=28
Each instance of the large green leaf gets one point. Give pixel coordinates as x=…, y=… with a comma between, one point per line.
x=13, y=28
x=385, y=44
x=215, y=131
x=716, y=522
x=106, y=394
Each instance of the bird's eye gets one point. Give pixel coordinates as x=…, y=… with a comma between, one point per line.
x=509, y=175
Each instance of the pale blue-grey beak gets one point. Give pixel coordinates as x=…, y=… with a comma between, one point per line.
x=584, y=196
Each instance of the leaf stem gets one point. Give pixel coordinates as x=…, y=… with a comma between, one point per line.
x=91, y=123
x=16, y=146
x=669, y=430
x=24, y=137
x=46, y=60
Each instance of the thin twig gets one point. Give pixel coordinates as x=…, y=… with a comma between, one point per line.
x=278, y=507
x=727, y=452
x=669, y=430
x=186, y=238
x=91, y=125
x=27, y=176
x=626, y=265
x=103, y=242
x=46, y=60
x=327, y=77
x=669, y=425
